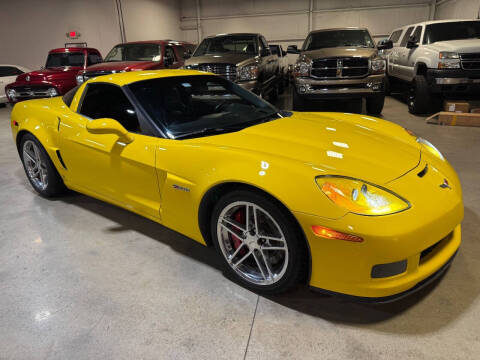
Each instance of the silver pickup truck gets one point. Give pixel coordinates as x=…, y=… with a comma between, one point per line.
x=435, y=60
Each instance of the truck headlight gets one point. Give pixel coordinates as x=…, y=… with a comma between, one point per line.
x=52, y=92
x=378, y=66
x=12, y=94
x=80, y=79
x=249, y=72
x=448, y=60
x=302, y=67
x=360, y=197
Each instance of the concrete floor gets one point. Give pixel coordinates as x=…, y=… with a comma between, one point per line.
x=80, y=279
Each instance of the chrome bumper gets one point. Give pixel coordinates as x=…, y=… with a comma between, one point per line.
x=369, y=85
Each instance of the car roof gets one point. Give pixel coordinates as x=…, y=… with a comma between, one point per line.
x=233, y=34
x=130, y=77
x=342, y=28
x=434, y=22
x=160, y=42
x=72, y=49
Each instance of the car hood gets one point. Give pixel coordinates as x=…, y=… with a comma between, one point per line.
x=460, y=46
x=219, y=59
x=57, y=73
x=359, y=146
x=122, y=65
x=344, y=51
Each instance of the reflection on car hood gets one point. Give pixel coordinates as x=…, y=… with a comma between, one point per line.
x=461, y=46
x=218, y=59
x=344, y=51
x=344, y=144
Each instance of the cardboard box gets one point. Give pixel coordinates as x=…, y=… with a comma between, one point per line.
x=456, y=106
x=455, y=119
x=475, y=110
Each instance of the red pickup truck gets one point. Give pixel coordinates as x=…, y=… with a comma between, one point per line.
x=58, y=76
x=140, y=55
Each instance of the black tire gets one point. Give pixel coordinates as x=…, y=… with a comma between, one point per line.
x=420, y=100
x=387, y=86
x=53, y=184
x=297, y=259
x=355, y=106
x=298, y=101
x=375, y=104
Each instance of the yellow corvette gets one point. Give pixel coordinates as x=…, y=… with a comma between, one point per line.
x=353, y=204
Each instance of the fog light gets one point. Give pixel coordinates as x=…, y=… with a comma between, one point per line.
x=52, y=92
x=302, y=89
x=376, y=86
x=387, y=270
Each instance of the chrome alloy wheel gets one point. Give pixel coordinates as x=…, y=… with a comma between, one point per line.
x=252, y=242
x=35, y=166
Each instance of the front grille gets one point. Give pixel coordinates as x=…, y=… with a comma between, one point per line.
x=337, y=68
x=228, y=71
x=470, y=61
x=31, y=92
x=91, y=74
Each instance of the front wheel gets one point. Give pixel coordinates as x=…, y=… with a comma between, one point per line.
x=420, y=99
x=375, y=104
x=40, y=170
x=259, y=243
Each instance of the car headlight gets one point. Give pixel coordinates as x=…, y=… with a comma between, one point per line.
x=52, y=92
x=249, y=72
x=302, y=67
x=430, y=148
x=80, y=79
x=12, y=94
x=448, y=60
x=360, y=197
x=378, y=66
x=427, y=145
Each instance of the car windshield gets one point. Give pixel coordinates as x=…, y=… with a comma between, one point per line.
x=451, y=31
x=65, y=59
x=229, y=44
x=337, y=38
x=200, y=105
x=135, y=52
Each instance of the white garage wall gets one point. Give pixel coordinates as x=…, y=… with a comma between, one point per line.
x=458, y=9
x=30, y=28
x=288, y=23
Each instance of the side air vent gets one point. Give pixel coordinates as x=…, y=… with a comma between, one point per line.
x=423, y=172
x=60, y=159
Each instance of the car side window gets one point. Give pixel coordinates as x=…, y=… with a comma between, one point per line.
x=170, y=54
x=93, y=59
x=406, y=36
x=265, y=49
x=109, y=101
x=417, y=33
x=9, y=71
x=395, y=36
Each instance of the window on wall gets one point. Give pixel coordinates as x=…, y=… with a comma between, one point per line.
x=109, y=101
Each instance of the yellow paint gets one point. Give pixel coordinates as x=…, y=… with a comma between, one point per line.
x=165, y=180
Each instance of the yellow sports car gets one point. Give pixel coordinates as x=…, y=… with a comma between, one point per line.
x=351, y=204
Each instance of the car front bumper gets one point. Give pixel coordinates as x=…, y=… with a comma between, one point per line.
x=310, y=88
x=454, y=81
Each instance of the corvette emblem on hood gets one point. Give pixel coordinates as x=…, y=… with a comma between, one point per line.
x=445, y=184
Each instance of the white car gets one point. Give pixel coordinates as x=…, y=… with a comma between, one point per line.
x=8, y=74
x=436, y=59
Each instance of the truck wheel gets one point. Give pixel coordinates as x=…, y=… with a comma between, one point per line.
x=420, y=100
x=298, y=101
x=387, y=86
x=375, y=104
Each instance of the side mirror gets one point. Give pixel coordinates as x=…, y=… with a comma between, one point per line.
x=292, y=49
x=187, y=55
x=412, y=42
x=109, y=126
x=385, y=44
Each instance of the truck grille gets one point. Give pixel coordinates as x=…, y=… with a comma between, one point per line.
x=335, y=68
x=31, y=92
x=91, y=74
x=470, y=61
x=228, y=71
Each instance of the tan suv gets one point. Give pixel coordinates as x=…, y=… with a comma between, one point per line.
x=339, y=63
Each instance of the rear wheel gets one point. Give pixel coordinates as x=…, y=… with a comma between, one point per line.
x=259, y=243
x=40, y=170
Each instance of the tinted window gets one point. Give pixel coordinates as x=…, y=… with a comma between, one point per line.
x=337, y=38
x=109, y=101
x=229, y=44
x=65, y=59
x=93, y=59
x=274, y=49
x=451, y=31
x=417, y=33
x=69, y=95
x=134, y=52
x=185, y=104
x=9, y=71
x=406, y=36
x=395, y=36
x=170, y=54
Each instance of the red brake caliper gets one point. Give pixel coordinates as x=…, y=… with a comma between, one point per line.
x=239, y=217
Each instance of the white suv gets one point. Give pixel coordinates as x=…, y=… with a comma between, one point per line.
x=436, y=59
